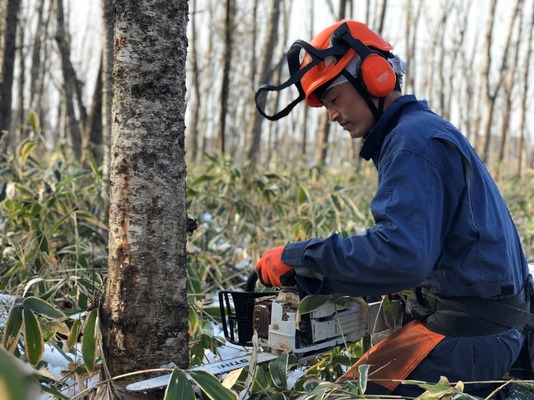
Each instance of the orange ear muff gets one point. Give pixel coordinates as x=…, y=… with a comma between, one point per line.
x=378, y=76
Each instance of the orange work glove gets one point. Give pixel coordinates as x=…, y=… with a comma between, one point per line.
x=272, y=271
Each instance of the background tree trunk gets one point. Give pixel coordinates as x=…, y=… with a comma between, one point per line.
x=69, y=78
x=266, y=71
x=8, y=29
x=194, y=134
x=304, y=129
x=489, y=94
x=19, y=127
x=107, y=8
x=226, y=63
x=36, y=70
x=93, y=128
x=510, y=82
x=145, y=311
x=523, y=130
x=323, y=134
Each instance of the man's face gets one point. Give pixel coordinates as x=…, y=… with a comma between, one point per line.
x=346, y=107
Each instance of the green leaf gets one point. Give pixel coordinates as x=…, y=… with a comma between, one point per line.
x=363, y=371
x=66, y=182
x=40, y=306
x=278, y=370
x=302, y=196
x=45, y=296
x=33, y=120
x=442, y=390
x=89, y=340
x=90, y=219
x=24, y=192
x=25, y=150
x=58, y=223
x=15, y=384
x=73, y=334
x=261, y=380
x=201, y=179
x=337, y=204
x=93, y=165
x=54, y=392
x=12, y=329
x=33, y=337
x=389, y=314
x=313, y=302
x=179, y=387
x=319, y=392
x=443, y=386
x=211, y=386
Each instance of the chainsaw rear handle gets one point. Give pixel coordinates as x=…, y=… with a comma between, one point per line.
x=252, y=279
x=237, y=311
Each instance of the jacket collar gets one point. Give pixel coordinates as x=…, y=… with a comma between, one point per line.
x=374, y=140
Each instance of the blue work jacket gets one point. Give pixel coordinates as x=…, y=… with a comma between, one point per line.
x=440, y=221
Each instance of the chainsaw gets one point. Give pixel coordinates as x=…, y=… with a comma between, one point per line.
x=272, y=323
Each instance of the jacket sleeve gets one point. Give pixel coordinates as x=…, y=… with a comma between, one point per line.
x=412, y=208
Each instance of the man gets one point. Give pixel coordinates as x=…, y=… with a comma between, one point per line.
x=441, y=226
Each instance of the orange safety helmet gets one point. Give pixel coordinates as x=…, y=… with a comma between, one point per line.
x=313, y=66
x=375, y=72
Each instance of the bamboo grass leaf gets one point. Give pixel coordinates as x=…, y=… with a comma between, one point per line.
x=73, y=335
x=33, y=337
x=278, y=370
x=15, y=384
x=179, y=387
x=40, y=306
x=89, y=340
x=312, y=303
x=25, y=150
x=12, y=329
x=211, y=386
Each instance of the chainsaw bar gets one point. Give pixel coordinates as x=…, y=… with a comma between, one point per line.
x=215, y=368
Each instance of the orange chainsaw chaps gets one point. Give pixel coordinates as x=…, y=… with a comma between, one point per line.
x=394, y=358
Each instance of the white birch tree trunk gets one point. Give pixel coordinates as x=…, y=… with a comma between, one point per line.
x=145, y=311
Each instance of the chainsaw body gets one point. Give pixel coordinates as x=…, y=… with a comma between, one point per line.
x=274, y=317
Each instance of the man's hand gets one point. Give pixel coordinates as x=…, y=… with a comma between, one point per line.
x=272, y=271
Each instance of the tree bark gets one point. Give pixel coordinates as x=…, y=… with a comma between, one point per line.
x=19, y=128
x=107, y=7
x=69, y=79
x=510, y=81
x=36, y=75
x=523, y=129
x=323, y=134
x=489, y=94
x=93, y=129
x=249, y=116
x=226, y=63
x=271, y=40
x=7, y=64
x=145, y=310
x=304, y=129
x=193, y=133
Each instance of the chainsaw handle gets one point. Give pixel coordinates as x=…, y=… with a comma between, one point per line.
x=250, y=285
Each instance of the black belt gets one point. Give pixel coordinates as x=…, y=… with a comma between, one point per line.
x=473, y=316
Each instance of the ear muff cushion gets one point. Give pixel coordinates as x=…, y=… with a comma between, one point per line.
x=377, y=75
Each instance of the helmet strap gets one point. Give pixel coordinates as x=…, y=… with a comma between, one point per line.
x=293, y=61
x=377, y=112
